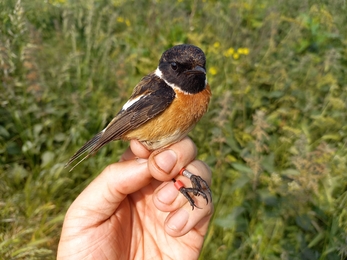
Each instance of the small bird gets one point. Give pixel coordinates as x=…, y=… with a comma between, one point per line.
x=164, y=106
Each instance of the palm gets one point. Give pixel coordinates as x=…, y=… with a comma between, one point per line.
x=143, y=233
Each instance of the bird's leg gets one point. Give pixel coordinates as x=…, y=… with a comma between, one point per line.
x=199, y=186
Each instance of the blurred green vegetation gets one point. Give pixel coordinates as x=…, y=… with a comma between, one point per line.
x=275, y=134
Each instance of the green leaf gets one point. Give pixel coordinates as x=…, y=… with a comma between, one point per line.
x=4, y=132
x=230, y=220
x=316, y=239
x=304, y=222
x=242, y=167
x=47, y=157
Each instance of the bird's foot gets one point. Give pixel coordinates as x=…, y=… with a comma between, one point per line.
x=199, y=188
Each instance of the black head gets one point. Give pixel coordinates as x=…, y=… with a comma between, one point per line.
x=183, y=66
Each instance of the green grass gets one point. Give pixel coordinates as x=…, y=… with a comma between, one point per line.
x=275, y=134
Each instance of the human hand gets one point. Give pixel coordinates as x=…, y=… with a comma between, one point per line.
x=132, y=210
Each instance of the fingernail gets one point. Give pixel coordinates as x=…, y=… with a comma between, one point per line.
x=166, y=160
x=167, y=194
x=178, y=220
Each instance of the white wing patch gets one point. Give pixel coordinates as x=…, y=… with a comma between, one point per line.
x=129, y=103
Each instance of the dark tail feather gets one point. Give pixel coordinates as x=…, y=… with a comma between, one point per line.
x=88, y=147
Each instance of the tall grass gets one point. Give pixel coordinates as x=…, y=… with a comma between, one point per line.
x=275, y=134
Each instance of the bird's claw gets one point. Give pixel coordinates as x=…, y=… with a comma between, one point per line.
x=199, y=188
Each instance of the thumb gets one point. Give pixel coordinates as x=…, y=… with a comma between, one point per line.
x=102, y=196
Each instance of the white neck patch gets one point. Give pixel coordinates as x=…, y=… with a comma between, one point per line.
x=174, y=86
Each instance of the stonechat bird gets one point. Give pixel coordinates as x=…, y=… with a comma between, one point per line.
x=164, y=106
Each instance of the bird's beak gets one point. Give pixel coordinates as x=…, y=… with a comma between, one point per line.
x=197, y=70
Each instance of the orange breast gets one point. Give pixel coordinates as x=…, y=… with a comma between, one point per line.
x=175, y=122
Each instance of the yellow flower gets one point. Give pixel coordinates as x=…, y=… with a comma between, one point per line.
x=213, y=71
x=127, y=22
x=246, y=6
x=229, y=52
x=216, y=45
x=120, y=19
x=244, y=51
x=236, y=56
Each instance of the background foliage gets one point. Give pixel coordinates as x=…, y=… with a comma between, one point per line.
x=275, y=134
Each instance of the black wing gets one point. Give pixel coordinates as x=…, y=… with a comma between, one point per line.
x=155, y=96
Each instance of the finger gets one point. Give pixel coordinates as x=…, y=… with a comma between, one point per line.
x=165, y=164
x=104, y=194
x=182, y=218
x=135, y=150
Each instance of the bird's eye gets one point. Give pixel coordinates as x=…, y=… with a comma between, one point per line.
x=174, y=66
